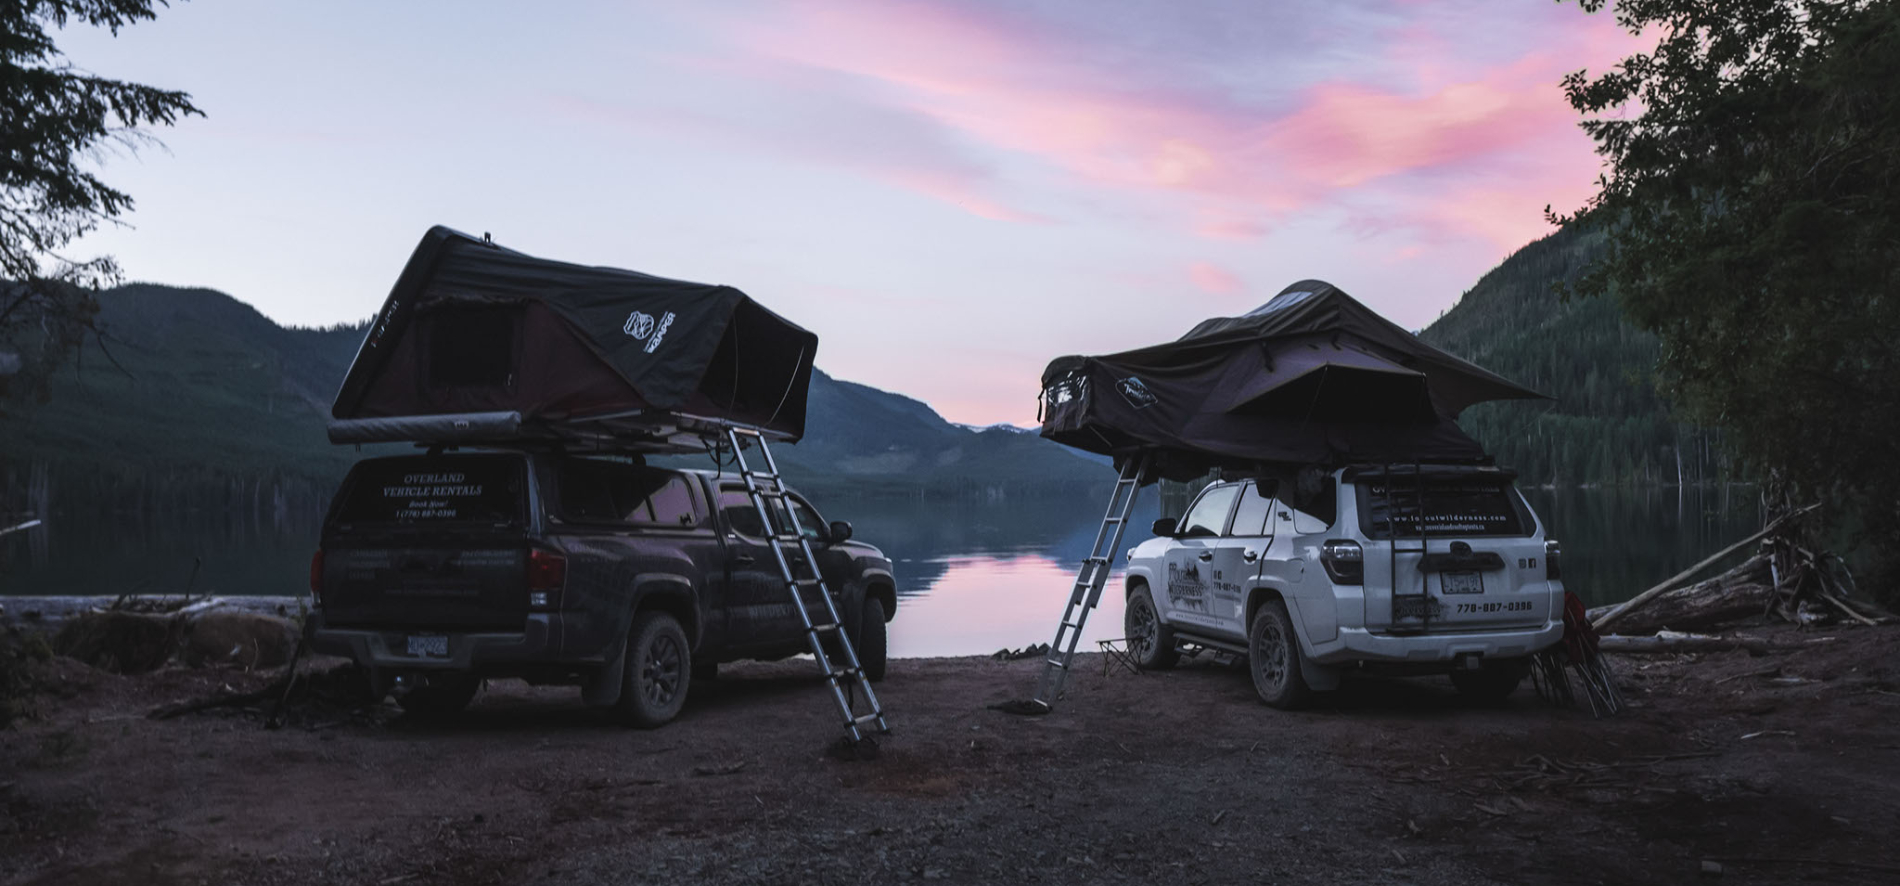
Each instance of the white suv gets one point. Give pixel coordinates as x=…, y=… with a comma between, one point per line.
x=1307, y=584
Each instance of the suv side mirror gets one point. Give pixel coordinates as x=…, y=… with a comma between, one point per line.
x=840, y=532
x=1164, y=527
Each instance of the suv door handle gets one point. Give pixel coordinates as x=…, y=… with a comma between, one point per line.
x=742, y=559
x=1207, y=555
x=1250, y=556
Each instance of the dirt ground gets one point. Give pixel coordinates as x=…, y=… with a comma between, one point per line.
x=1779, y=769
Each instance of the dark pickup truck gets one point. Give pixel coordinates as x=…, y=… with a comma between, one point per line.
x=438, y=571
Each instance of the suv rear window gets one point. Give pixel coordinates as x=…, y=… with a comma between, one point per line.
x=1474, y=507
x=431, y=490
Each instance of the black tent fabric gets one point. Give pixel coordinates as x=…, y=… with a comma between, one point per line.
x=471, y=327
x=1312, y=377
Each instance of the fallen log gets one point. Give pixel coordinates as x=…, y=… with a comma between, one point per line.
x=1740, y=593
x=1640, y=599
x=1671, y=643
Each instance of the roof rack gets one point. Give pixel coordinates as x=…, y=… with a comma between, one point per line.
x=632, y=430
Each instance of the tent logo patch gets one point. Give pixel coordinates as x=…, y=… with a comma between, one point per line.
x=666, y=321
x=639, y=325
x=1136, y=393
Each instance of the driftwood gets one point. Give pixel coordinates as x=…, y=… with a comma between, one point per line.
x=1671, y=642
x=1640, y=599
x=1742, y=592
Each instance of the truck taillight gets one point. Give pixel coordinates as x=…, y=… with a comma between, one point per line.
x=316, y=573
x=1345, y=561
x=1553, y=555
x=547, y=574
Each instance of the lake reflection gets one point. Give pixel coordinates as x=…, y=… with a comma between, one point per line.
x=973, y=577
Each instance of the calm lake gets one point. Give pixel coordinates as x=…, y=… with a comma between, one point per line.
x=973, y=577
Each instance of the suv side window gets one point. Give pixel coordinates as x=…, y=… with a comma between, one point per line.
x=1255, y=515
x=601, y=491
x=1208, y=515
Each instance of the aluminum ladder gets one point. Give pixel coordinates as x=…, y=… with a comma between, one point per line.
x=789, y=545
x=1417, y=543
x=1089, y=581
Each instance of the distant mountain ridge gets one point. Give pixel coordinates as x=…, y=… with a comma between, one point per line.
x=1607, y=424
x=211, y=388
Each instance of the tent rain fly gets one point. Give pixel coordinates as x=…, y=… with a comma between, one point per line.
x=480, y=342
x=1312, y=377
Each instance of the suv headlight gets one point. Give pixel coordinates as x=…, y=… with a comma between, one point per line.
x=1344, y=560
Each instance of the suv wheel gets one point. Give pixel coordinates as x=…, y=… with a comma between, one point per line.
x=1151, y=642
x=1274, y=658
x=441, y=695
x=1490, y=684
x=659, y=670
x=873, y=640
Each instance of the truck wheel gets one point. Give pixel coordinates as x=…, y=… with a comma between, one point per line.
x=441, y=695
x=1151, y=641
x=1492, y=683
x=659, y=670
x=873, y=640
x=1273, y=657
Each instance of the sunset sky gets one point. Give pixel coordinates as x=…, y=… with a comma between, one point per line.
x=948, y=193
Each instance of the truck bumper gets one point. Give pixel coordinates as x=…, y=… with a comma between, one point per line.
x=538, y=642
x=1359, y=644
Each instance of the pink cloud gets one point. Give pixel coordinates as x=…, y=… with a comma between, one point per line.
x=1003, y=84
x=1212, y=278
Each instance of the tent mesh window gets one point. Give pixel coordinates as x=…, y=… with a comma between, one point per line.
x=472, y=347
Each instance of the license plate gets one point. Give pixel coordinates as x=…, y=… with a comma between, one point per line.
x=429, y=645
x=1460, y=583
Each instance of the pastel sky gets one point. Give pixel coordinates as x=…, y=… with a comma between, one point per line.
x=949, y=193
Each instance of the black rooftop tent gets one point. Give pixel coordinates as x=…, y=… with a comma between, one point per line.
x=1312, y=377
x=480, y=341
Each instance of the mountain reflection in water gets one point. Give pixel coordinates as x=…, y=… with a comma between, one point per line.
x=973, y=577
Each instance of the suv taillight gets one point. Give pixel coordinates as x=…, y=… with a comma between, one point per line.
x=1345, y=561
x=1553, y=554
x=316, y=573
x=547, y=574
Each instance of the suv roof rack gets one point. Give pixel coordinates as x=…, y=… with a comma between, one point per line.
x=1430, y=470
x=633, y=430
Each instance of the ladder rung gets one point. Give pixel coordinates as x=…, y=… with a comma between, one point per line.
x=808, y=581
x=825, y=629
x=787, y=539
x=872, y=717
x=845, y=672
x=1056, y=663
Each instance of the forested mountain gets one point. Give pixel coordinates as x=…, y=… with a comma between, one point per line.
x=1607, y=423
x=198, y=398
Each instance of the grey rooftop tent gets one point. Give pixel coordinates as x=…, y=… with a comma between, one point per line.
x=1312, y=377
x=479, y=342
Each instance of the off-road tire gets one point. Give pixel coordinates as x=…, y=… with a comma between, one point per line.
x=1491, y=684
x=659, y=671
x=1149, y=641
x=1273, y=658
x=440, y=695
x=873, y=640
